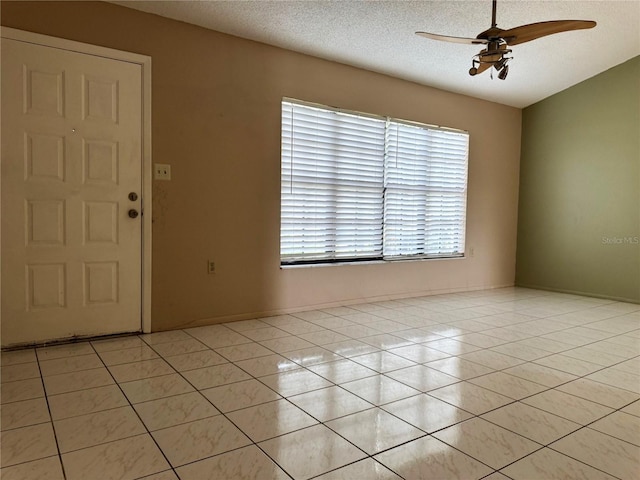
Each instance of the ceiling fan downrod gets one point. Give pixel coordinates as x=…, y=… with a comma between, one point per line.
x=494, y=24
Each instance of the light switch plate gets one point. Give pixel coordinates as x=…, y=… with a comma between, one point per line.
x=162, y=171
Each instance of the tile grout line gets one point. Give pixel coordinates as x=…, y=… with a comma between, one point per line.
x=333, y=384
x=257, y=444
x=135, y=412
x=221, y=413
x=53, y=426
x=303, y=428
x=426, y=434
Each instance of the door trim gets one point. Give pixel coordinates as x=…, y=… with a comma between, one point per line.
x=145, y=62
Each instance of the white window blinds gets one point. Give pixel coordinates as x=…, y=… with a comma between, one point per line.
x=356, y=187
x=425, y=191
x=332, y=185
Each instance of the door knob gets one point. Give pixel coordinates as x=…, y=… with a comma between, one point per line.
x=133, y=196
x=133, y=213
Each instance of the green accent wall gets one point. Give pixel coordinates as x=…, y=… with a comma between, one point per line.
x=579, y=199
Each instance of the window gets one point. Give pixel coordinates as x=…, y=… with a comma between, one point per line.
x=361, y=187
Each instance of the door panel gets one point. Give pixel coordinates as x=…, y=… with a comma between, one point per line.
x=71, y=154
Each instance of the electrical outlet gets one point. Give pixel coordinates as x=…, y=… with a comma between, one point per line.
x=211, y=267
x=472, y=252
x=162, y=171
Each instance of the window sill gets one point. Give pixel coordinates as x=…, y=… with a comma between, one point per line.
x=370, y=262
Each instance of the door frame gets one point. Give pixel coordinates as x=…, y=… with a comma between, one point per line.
x=145, y=62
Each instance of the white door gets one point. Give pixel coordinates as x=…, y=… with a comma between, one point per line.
x=71, y=157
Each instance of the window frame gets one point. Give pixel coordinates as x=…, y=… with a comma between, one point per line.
x=382, y=258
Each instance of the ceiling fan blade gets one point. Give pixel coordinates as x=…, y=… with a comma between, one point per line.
x=446, y=38
x=526, y=33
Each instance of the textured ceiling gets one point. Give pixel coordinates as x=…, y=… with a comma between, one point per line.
x=379, y=36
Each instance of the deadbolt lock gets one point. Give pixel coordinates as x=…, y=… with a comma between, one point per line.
x=133, y=196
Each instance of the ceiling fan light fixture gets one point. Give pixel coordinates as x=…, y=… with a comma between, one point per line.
x=501, y=63
x=504, y=72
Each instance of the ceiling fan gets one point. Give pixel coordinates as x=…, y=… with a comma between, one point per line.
x=498, y=41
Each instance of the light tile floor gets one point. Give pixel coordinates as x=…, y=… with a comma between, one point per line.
x=509, y=383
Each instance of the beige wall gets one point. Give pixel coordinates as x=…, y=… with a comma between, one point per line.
x=579, y=222
x=216, y=120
